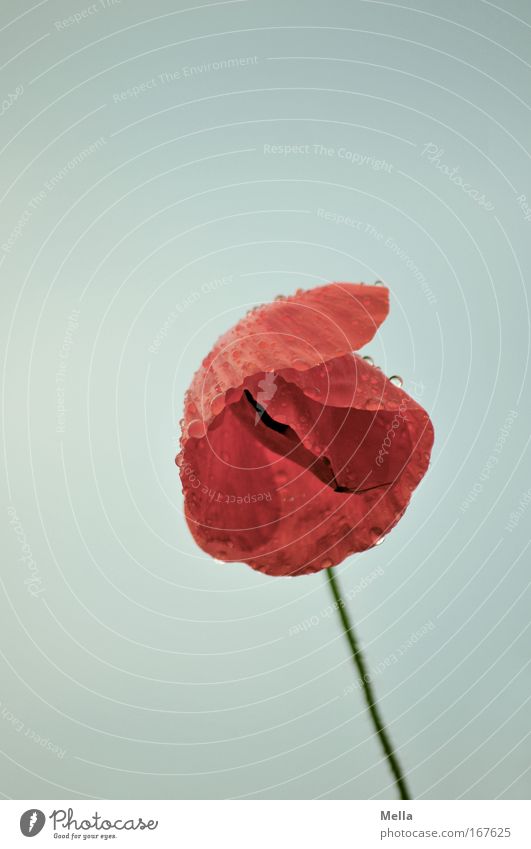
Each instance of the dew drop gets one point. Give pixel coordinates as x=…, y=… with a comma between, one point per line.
x=196, y=428
x=377, y=535
x=222, y=546
x=217, y=404
x=396, y=380
x=379, y=283
x=369, y=360
x=327, y=563
x=299, y=365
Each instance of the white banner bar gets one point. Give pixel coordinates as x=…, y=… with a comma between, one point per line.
x=267, y=824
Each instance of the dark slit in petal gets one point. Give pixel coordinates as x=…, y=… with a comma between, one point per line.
x=288, y=443
x=264, y=416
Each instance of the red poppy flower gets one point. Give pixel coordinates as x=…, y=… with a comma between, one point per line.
x=297, y=452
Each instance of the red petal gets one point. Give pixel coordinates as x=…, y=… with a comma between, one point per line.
x=301, y=331
x=300, y=523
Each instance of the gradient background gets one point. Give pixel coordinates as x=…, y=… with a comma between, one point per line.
x=150, y=670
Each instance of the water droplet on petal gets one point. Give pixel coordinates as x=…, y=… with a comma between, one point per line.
x=217, y=404
x=379, y=283
x=282, y=477
x=327, y=563
x=377, y=536
x=369, y=360
x=299, y=365
x=396, y=380
x=196, y=428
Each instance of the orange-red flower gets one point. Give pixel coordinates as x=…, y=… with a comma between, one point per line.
x=297, y=452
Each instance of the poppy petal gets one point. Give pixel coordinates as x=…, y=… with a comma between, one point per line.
x=303, y=330
x=376, y=442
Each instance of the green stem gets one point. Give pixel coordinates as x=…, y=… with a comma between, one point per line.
x=367, y=689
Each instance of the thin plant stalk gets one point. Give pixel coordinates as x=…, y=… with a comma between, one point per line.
x=370, y=698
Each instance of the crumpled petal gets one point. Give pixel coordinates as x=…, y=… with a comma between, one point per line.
x=305, y=329
x=299, y=467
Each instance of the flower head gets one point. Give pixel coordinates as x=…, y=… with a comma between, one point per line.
x=297, y=452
